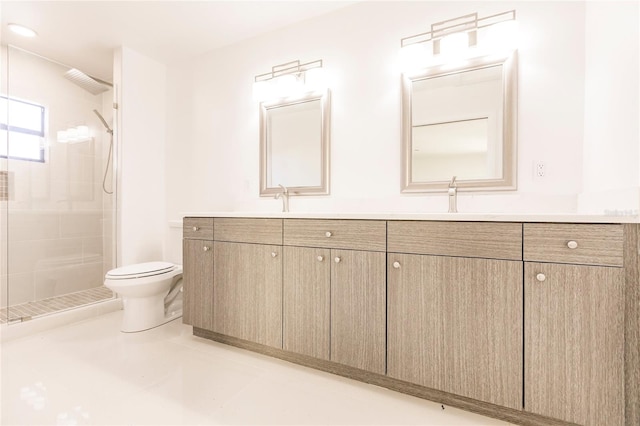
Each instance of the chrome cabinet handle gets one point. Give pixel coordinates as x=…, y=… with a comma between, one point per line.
x=328, y=234
x=320, y=258
x=396, y=265
x=195, y=228
x=337, y=259
x=205, y=248
x=274, y=254
x=541, y=277
x=572, y=244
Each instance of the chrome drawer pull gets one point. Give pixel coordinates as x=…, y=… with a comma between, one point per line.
x=572, y=244
x=195, y=228
x=274, y=254
x=205, y=248
x=328, y=234
x=337, y=260
x=541, y=277
x=396, y=265
x=320, y=258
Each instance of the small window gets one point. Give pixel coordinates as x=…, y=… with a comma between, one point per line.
x=21, y=130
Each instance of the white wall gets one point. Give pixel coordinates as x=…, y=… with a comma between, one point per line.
x=213, y=134
x=141, y=95
x=213, y=131
x=611, y=142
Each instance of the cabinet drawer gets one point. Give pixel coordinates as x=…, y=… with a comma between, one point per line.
x=197, y=228
x=573, y=243
x=465, y=239
x=340, y=234
x=248, y=230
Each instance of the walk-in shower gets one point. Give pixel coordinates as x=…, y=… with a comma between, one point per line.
x=57, y=186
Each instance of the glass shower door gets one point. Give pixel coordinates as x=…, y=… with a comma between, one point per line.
x=58, y=210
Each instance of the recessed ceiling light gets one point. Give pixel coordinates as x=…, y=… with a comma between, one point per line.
x=22, y=30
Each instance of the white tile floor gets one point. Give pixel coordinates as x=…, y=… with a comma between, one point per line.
x=90, y=373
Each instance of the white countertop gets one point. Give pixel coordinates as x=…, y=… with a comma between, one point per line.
x=468, y=217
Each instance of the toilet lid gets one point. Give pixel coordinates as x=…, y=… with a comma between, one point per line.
x=141, y=270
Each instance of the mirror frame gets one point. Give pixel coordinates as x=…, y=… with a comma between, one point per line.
x=509, y=127
x=325, y=109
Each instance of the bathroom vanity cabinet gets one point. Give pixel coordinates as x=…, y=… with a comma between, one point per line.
x=247, y=292
x=532, y=323
x=455, y=308
x=197, y=277
x=335, y=291
x=574, y=318
x=306, y=310
x=247, y=283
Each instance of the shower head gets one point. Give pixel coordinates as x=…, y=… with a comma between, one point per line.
x=109, y=130
x=88, y=83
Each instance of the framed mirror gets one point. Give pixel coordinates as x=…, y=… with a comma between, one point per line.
x=294, y=146
x=460, y=122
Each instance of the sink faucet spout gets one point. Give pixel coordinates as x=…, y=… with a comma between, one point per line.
x=285, y=198
x=453, y=196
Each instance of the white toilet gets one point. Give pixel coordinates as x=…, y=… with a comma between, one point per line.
x=151, y=294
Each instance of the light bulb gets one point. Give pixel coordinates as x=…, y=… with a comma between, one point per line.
x=288, y=85
x=455, y=45
x=315, y=80
x=263, y=90
x=415, y=56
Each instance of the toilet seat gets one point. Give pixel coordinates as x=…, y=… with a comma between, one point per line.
x=140, y=270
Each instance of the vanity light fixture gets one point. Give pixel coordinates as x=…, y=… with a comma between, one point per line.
x=289, y=80
x=22, y=30
x=457, y=39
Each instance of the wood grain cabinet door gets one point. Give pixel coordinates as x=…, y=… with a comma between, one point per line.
x=306, y=301
x=247, y=292
x=455, y=324
x=197, y=282
x=574, y=343
x=358, y=309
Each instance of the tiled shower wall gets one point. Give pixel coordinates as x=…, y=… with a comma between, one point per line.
x=53, y=253
x=55, y=234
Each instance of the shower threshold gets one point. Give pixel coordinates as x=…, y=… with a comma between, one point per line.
x=26, y=311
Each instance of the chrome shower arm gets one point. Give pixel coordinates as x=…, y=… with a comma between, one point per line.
x=109, y=130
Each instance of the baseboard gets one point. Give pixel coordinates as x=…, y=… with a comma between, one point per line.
x=486, y=409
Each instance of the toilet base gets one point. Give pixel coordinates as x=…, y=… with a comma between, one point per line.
x=164, y=321
x=145, y=313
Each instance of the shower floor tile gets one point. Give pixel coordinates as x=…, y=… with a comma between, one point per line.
x=89, y=373
x=54, y=304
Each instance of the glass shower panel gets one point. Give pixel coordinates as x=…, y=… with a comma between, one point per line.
x=57, y=217
x=4, y=196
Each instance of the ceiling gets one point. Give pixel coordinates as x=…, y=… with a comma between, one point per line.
x=83, y=34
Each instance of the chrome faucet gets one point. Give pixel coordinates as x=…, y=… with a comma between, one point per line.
x=453, y=196
x=285, y=198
